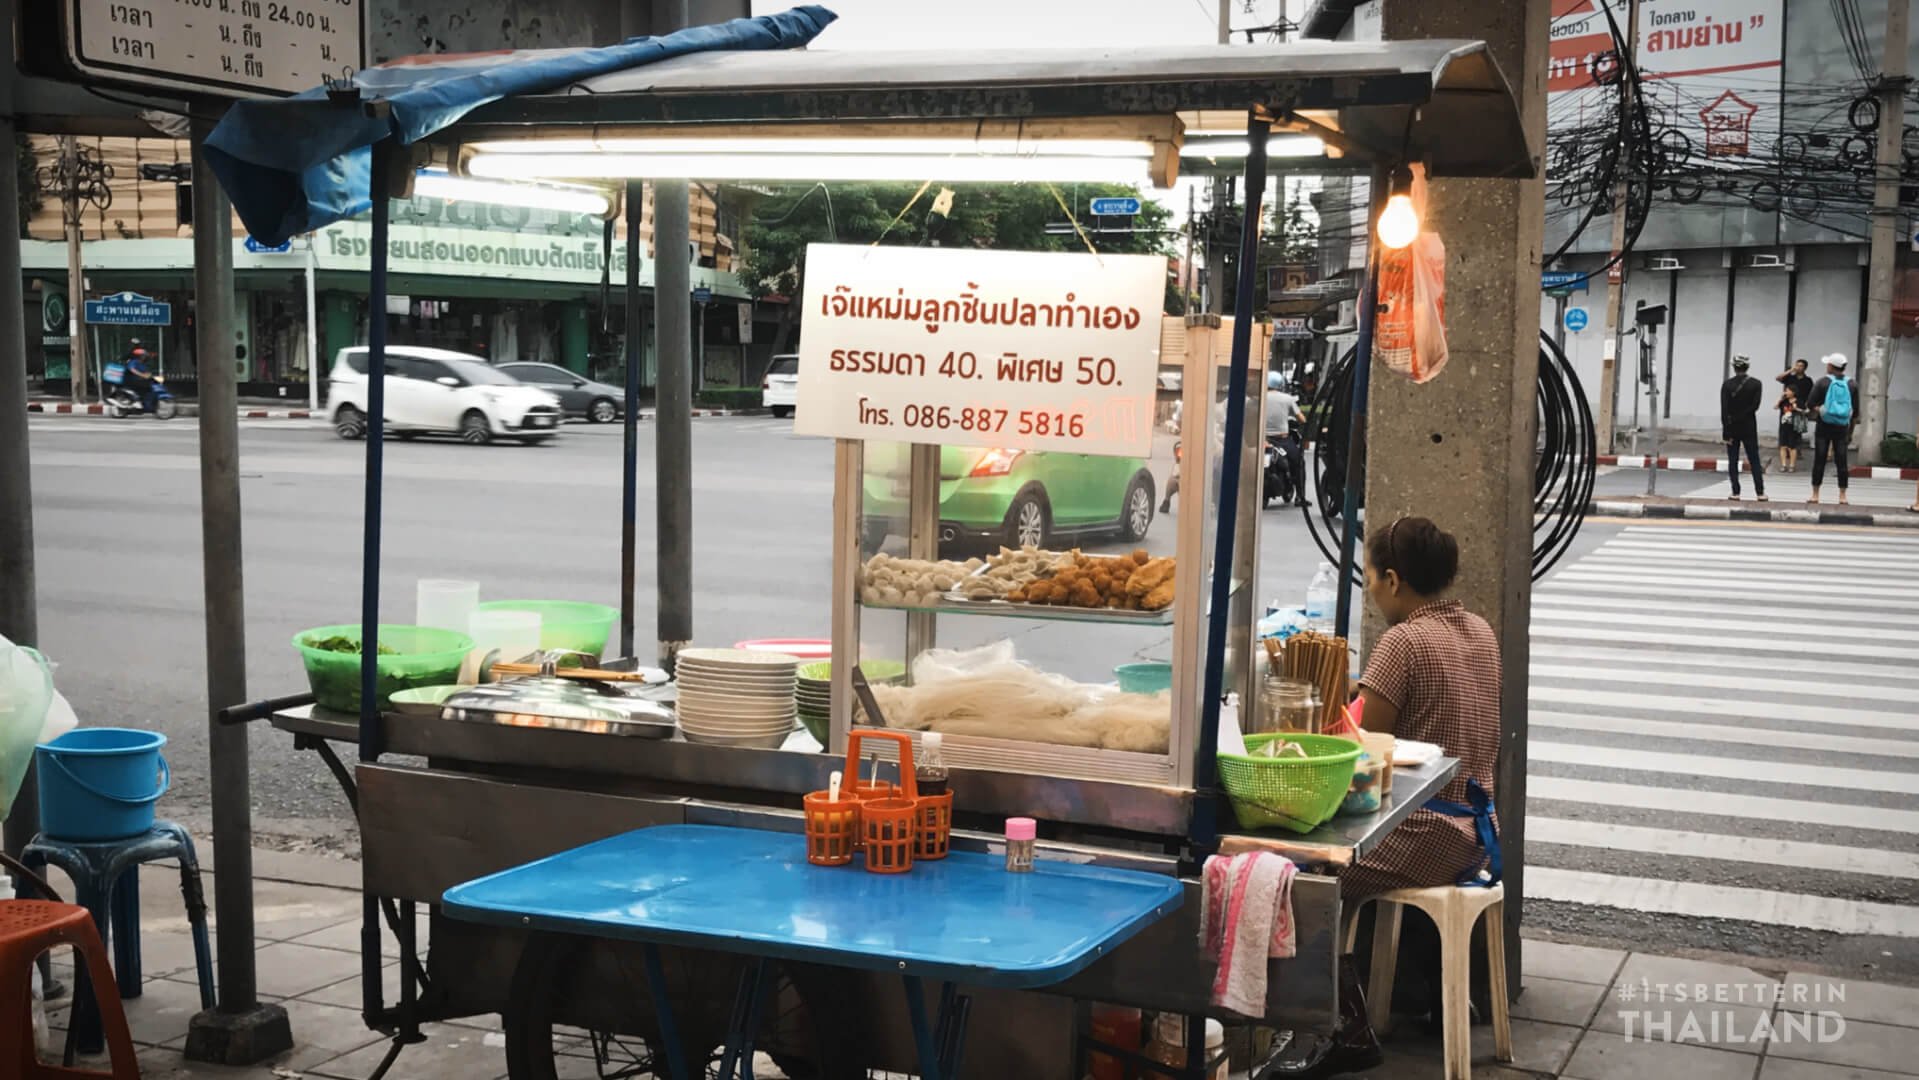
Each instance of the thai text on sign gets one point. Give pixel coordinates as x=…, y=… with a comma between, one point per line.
x=1026, y=350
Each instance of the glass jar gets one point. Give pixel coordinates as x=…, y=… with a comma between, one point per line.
x=1288, y=705
x=1020, y=835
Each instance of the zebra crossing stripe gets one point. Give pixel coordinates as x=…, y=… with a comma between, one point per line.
x=1764, y=808
x=1719, y=733
x=1825, y=715
x=1663, y=897
x=1763, y=772
x=1678, y=843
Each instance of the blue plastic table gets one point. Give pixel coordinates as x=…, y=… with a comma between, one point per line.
x=961, y=919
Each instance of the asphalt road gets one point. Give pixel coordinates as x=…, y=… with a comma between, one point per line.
x=1723, y=742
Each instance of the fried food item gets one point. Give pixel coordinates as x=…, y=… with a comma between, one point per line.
x=1150, y=576
x=1160, y=598
x=1086, y=595
x=1017, y=595
x=1140, y=557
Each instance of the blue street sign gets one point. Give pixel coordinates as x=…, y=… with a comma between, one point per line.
x=1576, y=319
x=1562, y=279
x=129, y=309
x=702, y=294
x=260, y=249
x=1118, y=207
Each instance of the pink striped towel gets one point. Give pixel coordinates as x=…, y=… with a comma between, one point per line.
x=1247, y=919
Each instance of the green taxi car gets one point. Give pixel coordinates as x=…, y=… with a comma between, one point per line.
x=1012, y=497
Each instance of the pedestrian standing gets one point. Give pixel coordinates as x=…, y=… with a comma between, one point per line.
x=1739, y=424
x=1792, y=429
x=1832, y=408
x=1794, y=380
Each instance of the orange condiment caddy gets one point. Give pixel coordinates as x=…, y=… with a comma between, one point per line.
x=892, y=823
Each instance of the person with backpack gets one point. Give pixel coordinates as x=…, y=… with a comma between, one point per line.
x=1739, y=424
x=1834, y=406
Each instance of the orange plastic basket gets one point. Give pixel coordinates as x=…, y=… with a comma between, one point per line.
x=832, y=828
x=889, y=826
x=934, y=835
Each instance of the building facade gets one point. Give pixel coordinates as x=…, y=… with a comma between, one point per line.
x=499, y=282
x=1756, y=238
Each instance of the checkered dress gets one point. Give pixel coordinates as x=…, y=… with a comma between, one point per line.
x=1441, y=668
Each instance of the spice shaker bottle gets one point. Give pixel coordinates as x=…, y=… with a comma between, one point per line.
x=1020, y=834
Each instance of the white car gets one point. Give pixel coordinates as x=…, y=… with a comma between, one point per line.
x=780, y=389
x=434, y=390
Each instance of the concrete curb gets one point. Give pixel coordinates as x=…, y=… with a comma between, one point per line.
x=1886, y=517
x=1857, y=472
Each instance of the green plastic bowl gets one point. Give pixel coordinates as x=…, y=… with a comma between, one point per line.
x=422, y=656
x=566, y=624
x=816, y=724
x=1147, y=678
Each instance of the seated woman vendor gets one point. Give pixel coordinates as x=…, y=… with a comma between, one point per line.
x=1433, y=677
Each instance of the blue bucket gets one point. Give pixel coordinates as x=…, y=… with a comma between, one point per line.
x=100, y=783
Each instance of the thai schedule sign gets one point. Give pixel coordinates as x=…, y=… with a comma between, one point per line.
x=1026, y=350
x=236, y=48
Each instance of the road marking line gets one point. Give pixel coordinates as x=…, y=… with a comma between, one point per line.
x=1843, y=585
x=1826, y=631
x=1720, y=733
x=1804, y=553
x=1763, y=607
x=1814, y=539
x=1897, y=565
x=1696, y=845
x=1720, y=644
x=1769, y=710
x=1613, y=654
x=1683, y=764
x=1719, y=680
x=1764, y=808
x=1561, y=586
x=1722, y=902
x=1750, y=570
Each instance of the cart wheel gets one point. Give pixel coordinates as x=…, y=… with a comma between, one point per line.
x=581, y=1007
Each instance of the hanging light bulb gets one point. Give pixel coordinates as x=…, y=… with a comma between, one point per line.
x=1399, y=222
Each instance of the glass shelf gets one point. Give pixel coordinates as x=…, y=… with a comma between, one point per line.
x=1048, y=612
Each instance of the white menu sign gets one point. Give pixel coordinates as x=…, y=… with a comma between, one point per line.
x=238, y=48
x=1025, y=350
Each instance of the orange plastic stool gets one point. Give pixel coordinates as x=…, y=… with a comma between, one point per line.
x=27, y=929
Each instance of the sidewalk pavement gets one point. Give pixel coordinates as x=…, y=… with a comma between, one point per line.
x=1585, y=1013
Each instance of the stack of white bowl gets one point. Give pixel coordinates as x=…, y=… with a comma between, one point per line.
x=736, y=697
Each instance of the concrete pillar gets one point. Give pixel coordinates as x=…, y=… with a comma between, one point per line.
x=1459, y=449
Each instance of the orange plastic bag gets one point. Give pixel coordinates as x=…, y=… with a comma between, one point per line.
x=1409, y=331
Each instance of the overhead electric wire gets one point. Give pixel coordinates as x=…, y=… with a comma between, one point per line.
x=1565, y=464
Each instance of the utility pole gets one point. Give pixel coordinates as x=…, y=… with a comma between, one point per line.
x=1877, y=367
x=1616, y=275
x=79, y=180
x=1190, y=275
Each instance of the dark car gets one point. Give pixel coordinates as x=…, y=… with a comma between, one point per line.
x=579, y=395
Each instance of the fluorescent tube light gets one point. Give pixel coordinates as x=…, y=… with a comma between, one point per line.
x=434, y=184
x=909, y=146
x=723, y=162
x=1277, y=146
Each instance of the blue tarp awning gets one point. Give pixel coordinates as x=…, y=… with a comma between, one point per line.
x=292, y=165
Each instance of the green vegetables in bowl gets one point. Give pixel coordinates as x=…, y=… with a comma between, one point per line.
x=407, y=656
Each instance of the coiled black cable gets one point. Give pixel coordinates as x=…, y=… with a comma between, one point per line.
x=1564, y=469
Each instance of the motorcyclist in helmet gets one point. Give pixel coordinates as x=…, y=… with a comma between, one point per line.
x=140, y=378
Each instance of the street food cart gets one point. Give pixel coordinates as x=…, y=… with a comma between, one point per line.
x=441, y=800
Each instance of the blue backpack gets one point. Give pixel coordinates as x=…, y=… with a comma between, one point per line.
x=1838, y=407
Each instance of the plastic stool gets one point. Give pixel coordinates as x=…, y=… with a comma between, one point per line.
x=106, y=876
x=1455, y=909
x=27, y=929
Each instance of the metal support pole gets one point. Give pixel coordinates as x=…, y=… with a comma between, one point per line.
x=1349, y=525
x=77, y=353
x=1205, y=826
x=372, y=727
x=1649, y=344
x=314, y=363
x=630, y=456
x=1882, y=262
x=240, y=1030
x=673, y=416
x=18, y=606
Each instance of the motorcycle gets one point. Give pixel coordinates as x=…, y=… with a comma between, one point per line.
x=123, y=400
x=1285, y=462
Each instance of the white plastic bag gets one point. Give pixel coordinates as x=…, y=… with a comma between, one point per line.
x=26, y=690
x=1409, y=331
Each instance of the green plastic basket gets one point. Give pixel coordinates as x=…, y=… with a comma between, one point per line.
x=1289, y=793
